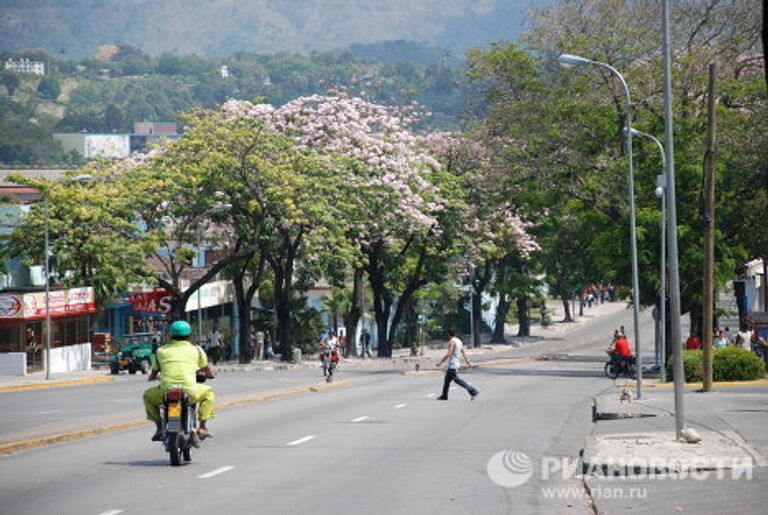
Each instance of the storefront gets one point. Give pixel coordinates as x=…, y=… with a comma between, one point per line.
x=148, y=311
x=22, y=320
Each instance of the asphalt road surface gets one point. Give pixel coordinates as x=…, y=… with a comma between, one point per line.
x=381, y=445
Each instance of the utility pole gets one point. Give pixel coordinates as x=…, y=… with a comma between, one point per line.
x=674, y=265
x=709, y=232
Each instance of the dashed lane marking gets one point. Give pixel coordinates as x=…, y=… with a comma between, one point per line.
x=216, y=472
x=301, y=440
x=430, y=395
x=400, y=406
x=111, y=512
x=360, y=419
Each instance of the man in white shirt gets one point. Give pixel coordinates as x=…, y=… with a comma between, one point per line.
x=214, y=341
x=455, y=351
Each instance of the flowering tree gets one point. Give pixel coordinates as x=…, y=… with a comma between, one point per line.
x=493, y=233
x=391, y=203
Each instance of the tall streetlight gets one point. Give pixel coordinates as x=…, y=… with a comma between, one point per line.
x=215, y=209
x=568, y=61
x=661, y=187
x=47, y=272
x=674, y=270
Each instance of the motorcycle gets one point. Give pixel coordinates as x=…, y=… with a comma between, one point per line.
x=620, y=365
x=179, y=416
x=330, y=359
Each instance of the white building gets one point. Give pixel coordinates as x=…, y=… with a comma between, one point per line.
x=224, y=71
x=24, y=65
x=96, y=145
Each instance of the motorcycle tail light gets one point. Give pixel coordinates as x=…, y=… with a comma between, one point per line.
x=174, y=395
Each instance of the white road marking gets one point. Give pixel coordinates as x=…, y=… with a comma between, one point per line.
x=430, y=395
x=216, y=472
x=400, y=406
x=454, y=387
x=360, y=419
x=301, y=440
x=111, y=512
x=50, y=412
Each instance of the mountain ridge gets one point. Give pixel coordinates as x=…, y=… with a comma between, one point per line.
x=75, y=28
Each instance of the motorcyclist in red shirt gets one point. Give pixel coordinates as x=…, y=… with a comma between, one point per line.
x=621, y=347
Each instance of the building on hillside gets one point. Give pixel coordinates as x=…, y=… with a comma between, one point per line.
x=224, y=72
x=146, y=133
x=24, y=65
x=154, y=129
x=115, y=146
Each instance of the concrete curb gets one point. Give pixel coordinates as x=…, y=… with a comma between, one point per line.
x=55, y=384
x=36, y=443
x=723, y=384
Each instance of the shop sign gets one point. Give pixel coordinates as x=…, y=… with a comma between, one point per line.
x=31, y=306
x=157, y=301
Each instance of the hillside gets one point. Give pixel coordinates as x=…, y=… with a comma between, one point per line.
x=75, y=28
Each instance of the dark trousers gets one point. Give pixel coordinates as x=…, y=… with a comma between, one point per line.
x=452, y=374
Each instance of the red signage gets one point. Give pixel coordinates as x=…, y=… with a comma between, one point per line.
x=32, y=306
x=157, y=301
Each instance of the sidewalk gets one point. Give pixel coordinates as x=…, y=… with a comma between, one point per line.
x=635, y=441
x=38, y=380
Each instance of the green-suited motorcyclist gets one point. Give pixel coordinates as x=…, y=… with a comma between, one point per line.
x=177, y=363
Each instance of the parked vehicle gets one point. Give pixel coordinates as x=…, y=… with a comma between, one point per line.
x=134, y=354
x=620, y=365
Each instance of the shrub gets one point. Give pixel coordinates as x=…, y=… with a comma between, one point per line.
x=734, y=364
x=729, y=364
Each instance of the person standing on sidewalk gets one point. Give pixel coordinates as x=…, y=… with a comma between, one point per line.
x=455, y=351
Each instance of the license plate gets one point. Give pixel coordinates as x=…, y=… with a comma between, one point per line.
x=174, y=409
x=124, y=362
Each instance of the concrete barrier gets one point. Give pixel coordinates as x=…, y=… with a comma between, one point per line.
x=71, y=358
x=13, y=364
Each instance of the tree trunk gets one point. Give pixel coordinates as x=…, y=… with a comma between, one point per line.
x=477, y=315
x=566, y=309
x=382, y=302
x=478, y=286
x=522, y=316
x=355, y=312
x=565, y=297
x=502, y=309
x=243, y=317
x=381, y=312
x=284, y=336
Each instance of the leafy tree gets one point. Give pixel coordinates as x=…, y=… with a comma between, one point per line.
x=10, y=80
x=49, y=88
x=26, y=137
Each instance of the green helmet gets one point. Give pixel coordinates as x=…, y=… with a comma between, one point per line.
x=180, y=329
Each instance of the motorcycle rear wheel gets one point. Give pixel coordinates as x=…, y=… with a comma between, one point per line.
x=174, y=449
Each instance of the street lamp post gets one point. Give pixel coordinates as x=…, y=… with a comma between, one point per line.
x=674, y=269
x=47, y=272
x=660, y=193
x=568, y=60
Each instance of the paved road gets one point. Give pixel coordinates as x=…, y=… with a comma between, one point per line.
x=381, y=445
